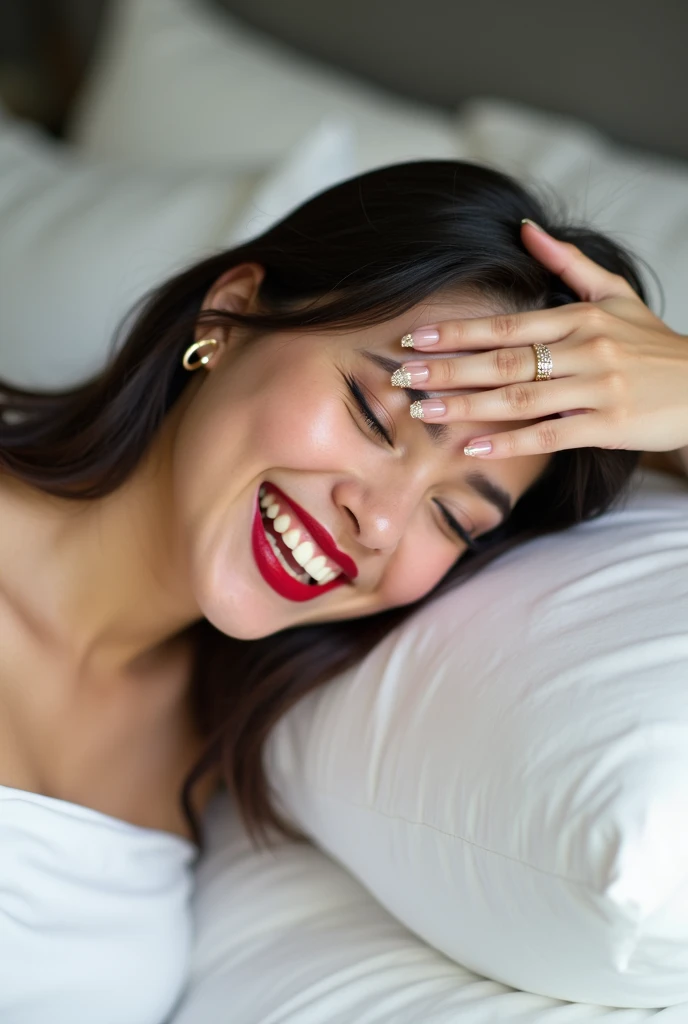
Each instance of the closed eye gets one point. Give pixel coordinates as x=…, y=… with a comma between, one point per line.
x=375, y=425
x=456, y=526
x=366, y=411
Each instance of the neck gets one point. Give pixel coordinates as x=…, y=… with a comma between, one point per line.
x=103, y=583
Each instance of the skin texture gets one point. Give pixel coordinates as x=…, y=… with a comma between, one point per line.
x=94, y=666
x=93, y=677
x=280, y=410
x=122, y=575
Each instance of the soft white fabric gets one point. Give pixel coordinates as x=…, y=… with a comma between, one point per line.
x=95, y=922
x=82, y=241
x=286, y=936
x=176, y=82
x=507, y=773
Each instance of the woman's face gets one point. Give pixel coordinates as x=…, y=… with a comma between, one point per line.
x=277, y=417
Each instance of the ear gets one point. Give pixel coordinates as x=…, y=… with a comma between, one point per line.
x=237, y=291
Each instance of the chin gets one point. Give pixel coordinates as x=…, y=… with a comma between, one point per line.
x=242, y=621
x=242, y=631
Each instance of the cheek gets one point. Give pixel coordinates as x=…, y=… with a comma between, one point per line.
x=240, y=429
x=308, y=432
x=417, y=567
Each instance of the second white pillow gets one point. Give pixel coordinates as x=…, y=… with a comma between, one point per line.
x=507, y=772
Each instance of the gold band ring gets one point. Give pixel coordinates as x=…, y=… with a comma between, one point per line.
x=543, y=360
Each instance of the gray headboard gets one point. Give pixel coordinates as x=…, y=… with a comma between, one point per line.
x=621, y=65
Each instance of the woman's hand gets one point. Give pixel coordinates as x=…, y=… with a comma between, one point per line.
x=619, y=377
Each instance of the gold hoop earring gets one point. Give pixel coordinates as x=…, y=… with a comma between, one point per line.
x=187, y=364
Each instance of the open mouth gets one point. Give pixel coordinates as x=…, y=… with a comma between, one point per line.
x=293, y=545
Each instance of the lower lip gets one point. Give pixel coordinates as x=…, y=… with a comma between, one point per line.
x=273, y=573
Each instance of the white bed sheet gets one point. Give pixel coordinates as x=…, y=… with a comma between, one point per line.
x=288, y=937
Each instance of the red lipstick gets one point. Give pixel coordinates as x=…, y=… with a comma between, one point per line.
x=271, y=570
x=319, y=534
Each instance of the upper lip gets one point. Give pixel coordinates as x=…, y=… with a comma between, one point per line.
x=320, y=535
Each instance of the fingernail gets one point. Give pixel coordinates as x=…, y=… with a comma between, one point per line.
x=427, y=409
x=482, y=448
x=533, y=224
x=420, y=338
x=409, y=374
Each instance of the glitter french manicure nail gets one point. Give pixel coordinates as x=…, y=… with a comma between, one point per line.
x=420, y=338
x=409, y=374
x=427, y=409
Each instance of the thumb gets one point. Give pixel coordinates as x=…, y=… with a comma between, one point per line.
x=590, y=281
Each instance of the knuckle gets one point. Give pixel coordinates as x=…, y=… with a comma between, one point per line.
x=604, y=350
x=452, y=333
x=595, y=316
x=504, y=326
x=518, y=398
x=462, y=406
x=507, y=363
x=546, y=437
x=446, y=371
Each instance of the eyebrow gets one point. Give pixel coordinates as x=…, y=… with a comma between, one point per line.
x=438, y=432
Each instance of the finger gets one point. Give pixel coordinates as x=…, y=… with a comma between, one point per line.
x=587, y=279
x=515, y=402
x=478, y=334
x=537, y=439
x=493, y=368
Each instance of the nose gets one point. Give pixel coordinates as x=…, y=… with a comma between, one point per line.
x=376, y=517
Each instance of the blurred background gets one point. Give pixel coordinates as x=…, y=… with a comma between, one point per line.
x=137, y=136
x=620, y=65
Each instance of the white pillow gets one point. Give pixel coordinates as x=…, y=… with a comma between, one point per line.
x=81, y=241
x=507, y=773
x=176, y=83
x=640, y=199
x=286, y=936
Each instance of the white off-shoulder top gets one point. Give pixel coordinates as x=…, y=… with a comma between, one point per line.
x=95, y=922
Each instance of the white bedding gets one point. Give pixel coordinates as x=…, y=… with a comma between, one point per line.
x=289, y=937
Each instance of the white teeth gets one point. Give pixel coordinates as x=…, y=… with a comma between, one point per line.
x=301, y=577
x=320, y=575
x=315, y=566
x=291, y=538
x=304, y=552
x=281, y=523
x=320, y=570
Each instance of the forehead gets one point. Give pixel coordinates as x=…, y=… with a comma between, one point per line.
x=514, y=474
x=441, y=307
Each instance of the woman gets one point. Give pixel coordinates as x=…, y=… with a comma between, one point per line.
x=185, y=554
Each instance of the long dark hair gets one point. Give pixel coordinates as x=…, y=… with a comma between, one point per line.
x=356, y=255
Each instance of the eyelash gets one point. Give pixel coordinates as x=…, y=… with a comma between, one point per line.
x=379, y=430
